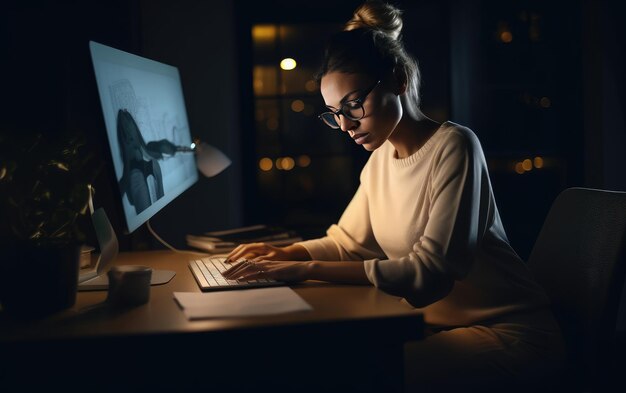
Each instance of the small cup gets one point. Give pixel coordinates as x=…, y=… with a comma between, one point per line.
x=129, y=285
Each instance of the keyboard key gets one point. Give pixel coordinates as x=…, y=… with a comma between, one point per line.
x=208, y=272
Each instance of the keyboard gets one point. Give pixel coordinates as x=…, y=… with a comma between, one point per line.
x=208, y=275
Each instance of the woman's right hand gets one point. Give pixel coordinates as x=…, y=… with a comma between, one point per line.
x=256, y=252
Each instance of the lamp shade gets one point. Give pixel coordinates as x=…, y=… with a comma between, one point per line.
x=210, y=160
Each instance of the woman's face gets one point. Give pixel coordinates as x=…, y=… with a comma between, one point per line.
x=382, y=106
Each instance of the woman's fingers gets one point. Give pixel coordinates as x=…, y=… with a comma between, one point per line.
x=233, y=253
x=246, y=271
x=254, y=272
x=235, y=269
x=245, y=249
x=236, y=253
x=255, y=252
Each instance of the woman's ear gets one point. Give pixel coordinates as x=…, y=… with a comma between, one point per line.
x=402, y=80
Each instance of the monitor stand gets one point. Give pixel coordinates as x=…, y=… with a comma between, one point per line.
x=95, y=277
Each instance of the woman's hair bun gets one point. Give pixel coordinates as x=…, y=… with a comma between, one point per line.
x=377, y=15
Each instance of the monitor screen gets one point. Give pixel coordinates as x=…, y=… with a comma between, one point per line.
x=147, y=128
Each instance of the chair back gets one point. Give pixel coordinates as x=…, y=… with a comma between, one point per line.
x=579, y=259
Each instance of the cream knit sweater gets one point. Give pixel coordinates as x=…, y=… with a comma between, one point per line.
x=428, y=230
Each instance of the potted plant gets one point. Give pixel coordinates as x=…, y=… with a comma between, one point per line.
x=44, y=195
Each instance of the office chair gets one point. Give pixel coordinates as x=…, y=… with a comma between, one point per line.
x=579, y=259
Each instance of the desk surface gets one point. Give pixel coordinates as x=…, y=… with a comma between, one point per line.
x=89, y=317
x=351, y=341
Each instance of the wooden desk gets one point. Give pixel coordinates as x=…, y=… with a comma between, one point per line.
x=351, y=341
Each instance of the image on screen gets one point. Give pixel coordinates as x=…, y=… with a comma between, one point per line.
x=147, y=128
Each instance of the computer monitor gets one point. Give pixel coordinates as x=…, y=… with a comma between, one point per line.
x=148, y=132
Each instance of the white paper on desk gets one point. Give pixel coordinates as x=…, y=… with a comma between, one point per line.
x=240, y=303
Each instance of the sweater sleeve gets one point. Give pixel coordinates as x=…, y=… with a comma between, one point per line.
x=445, y=251
x=351, y=239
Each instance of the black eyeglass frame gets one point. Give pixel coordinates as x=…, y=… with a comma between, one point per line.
x=341, y=111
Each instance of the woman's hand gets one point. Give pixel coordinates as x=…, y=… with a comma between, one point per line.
x=256, y=252
x=289, y=271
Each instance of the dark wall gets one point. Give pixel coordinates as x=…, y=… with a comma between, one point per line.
x=604, y=45
x=199, y=38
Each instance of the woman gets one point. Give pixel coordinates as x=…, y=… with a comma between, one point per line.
x=422, y=225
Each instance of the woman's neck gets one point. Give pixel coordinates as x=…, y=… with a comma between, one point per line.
x=412, y=132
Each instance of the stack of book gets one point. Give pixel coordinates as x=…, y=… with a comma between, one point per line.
x=218, y=242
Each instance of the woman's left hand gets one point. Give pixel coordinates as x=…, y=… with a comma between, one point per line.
x=276, y=270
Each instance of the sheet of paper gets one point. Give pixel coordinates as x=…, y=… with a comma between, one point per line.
x=240, y=303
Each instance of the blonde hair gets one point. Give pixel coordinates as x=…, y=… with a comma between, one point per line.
x=371, y=43
x=377, y=15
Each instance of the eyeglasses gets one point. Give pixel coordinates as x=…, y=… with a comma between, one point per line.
x=352, y=110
